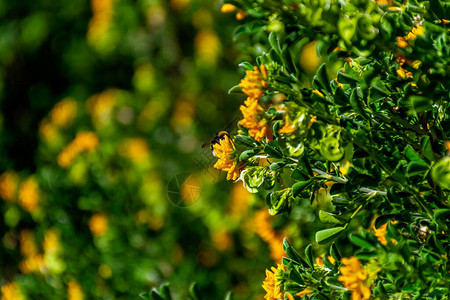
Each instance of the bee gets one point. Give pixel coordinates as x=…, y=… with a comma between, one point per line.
x=215, y=140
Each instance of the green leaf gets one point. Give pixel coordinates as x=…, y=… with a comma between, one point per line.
x=334, y=252
x=277, y=165
x=358, y=240
x=145, y=296
x=322, y=77
x=275, y=128
x=272, y=152
x=154, y=295
x=309, y=256
x=427, y=150
x=298, y=175
x=415, y=168
x=340, y=98
x=298, y=187
x=245, y=141
x=292, y=254
x=420, y=104
x=247, y=154
x=165, y=292
x=366, y=255
x=194, y=292
x=357, y=104
x=330, y=218
x=412, y=155
x=235, y=90
x=246, y=65
x=327, y=235
x=442, y=214
x=295, y=276
x=437, y=8
x=346, y=28
x=229, y=296
x=274, y=42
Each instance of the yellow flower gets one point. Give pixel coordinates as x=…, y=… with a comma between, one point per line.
x=48, y=131
x=101, y=106
x=239, y=202
x=264, y=229
x=418, y=30
x=319, y=260
x=403, y=74
x=354, y=278
x=380, y=234
x=84, y=141
x=11, y=291
x=32, y=264
x=51, y=240
x=273, y=283
x=136, y=149
x=98, y=224
x=241, y=14
x=8, y=185
x=29, y=194
x=27, y=245
x=254, y=83
x=287, y=129
x=207, y=46
x=74, y=291
x=384, y=2
x=64, y=112
x=222, y=239
x=223, y=148
x=401, y=42
x=102, y=13
x=257, y=126
x=306, y=292
x=228, y=8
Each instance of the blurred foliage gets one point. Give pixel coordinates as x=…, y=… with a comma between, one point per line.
x=106, y=191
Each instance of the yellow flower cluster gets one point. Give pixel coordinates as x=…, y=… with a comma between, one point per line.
x=33, y=261
x=405, y=41
x=61, y=116
x=257, y=126
x=207, y=46
x=29, y=194
x=253, y=85
x=136, y=149
x=98, y=224
x=11, y=291
x=100, y=106
x=9, y=182
x=84, y=141
x=265, y=231
x=273, y=283
x=354, y=278
x=223, y=149
x=229, y=8
x=102, y=11
x=74, y=291
x=64, y=112
x=380, y=233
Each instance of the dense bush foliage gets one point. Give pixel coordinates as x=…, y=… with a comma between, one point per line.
x=362, y=132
